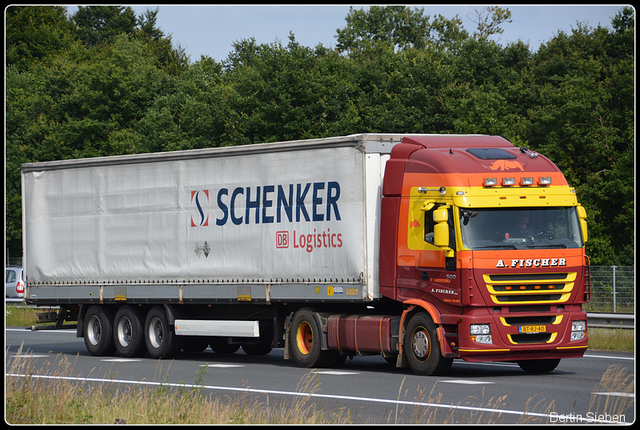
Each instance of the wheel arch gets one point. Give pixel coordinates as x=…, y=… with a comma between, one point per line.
x=415, y=306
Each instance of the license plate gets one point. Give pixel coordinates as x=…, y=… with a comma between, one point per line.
x=532, y=329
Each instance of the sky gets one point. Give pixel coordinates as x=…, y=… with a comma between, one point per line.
x=211, y=30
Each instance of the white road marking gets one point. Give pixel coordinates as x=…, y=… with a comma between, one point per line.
x=30, y=356
x=609, y=356
x=466, y=382
x=122, y=360
x=615, y=394
x=336, y=372
x=222, y=365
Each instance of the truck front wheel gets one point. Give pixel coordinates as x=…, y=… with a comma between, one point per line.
x=539, y=366
x=98, y=331
x=422, y=348
x=305, y=345
x=129, y=332
x=159, y=336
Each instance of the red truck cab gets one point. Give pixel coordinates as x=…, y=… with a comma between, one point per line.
x=488, y=239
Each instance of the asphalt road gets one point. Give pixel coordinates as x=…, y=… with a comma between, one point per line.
x=369, y=388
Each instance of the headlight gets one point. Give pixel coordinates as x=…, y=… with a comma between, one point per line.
x=479, y=329
x=578, y=326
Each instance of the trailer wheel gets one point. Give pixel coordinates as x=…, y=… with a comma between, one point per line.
x=259, y=348
x=219, y=345
x=129, y=332
x=422, y=347
x=98, y=331
x=305, y=347
x=159, y=336
x=539, y=366
x=194, y=344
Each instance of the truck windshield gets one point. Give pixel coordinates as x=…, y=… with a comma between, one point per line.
x=520, y=228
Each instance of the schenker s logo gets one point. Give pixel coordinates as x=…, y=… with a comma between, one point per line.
x=202, y=219
x=537, y=262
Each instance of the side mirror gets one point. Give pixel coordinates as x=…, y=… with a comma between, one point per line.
x=582, y=214
x=441, y=229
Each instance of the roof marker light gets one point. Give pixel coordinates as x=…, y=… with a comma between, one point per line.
x=526, y=181
x=544, y=180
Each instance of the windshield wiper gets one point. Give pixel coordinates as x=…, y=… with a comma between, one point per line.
x=561, y=246
x=496, y=246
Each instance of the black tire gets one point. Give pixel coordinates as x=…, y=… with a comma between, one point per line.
x=128, y=332
x=194, y=343
x=539, y=366
x=422, y=348
x=98, y=331
x=336, y=359
x=259, y=348
x=305, y=341
x=219, y=345
x=159, y=336
x=392, y=359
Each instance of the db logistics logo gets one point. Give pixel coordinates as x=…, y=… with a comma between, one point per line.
x=197, y=197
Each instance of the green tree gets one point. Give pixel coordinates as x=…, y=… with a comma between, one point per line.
x=36, y=32
x=173, y=60
x=488, y=20
x=398, y=26
x=100, y=24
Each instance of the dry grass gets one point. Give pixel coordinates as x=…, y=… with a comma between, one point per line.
x=31, y=399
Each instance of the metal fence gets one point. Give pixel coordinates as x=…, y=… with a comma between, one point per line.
x=612, y=289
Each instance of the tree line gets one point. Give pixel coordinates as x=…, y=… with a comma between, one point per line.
x=104, y=81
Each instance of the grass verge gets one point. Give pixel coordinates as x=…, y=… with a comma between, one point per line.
x=51, y=395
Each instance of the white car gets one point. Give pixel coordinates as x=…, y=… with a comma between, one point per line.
x=14, y=282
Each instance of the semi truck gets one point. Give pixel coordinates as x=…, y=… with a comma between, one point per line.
x=421, y=248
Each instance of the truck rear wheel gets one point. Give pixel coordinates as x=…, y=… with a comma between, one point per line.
x=305, y=346
x=422, y=348
x=98, y=331
x=129, y=332
x=159, y=336
x=539, y=366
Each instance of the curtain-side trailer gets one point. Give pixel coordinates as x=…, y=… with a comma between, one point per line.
x=365, y=244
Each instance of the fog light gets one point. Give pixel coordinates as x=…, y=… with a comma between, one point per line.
x=508, y=181
x=485, y=338
x=526, y=181
x=490, y=182
x=577, y=335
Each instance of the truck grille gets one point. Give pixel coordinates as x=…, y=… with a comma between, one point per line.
x=528, y=288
